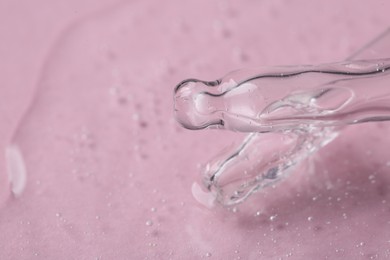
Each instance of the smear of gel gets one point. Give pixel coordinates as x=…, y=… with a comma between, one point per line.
x=16, y=169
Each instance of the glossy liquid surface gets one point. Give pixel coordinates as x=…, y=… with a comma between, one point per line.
x=108, y=169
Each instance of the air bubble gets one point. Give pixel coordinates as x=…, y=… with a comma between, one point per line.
x=273, y=217
x=360, y=244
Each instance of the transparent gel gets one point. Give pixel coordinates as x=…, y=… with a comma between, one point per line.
x=289, y=113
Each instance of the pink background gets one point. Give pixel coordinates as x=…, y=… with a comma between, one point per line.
x=110, y=172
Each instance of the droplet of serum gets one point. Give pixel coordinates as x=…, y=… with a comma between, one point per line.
x=205, y=198
x=16, y=169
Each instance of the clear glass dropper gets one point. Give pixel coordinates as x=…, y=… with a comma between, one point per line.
x=288, y=97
